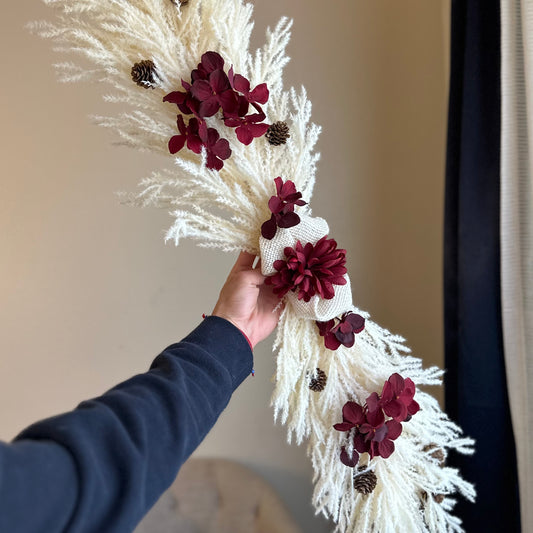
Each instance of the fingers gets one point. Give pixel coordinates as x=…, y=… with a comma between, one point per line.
x=245, y=261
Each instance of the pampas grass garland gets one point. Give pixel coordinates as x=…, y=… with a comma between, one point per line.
x=225, y=210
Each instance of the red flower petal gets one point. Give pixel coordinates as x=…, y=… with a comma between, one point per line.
x=395, y=429
x=221, y=149
x=360, y=443
x=279, y=185
x=213, y=162
x=209, y=107
x=331, y=342
x=380, y=433
x=343, y=426
x=212, y=61
x=269, y=228
x=219, y=81
x=413, y=408
x=229, y=104
x=257, y=130
x=372, y=402
x=397, y=383
x=194, y=143
x=288, y=220
x=347, y=460
x=241, y=84
x=396, y=410
x=232, y=122
x=260, y=94
x=181, y=125
x=275, y=204
x=244, y=135
x=356, y=321
x=386, y=448
x=175, y=144
x=387, y=394
x=375, y=418
x=353, y=412
x=201, y=90
x=175, y=97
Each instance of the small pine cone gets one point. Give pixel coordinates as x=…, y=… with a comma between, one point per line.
x=277, y=133
x=142, y=73
x=366, y=482
x=437, y=453
x=318, y=382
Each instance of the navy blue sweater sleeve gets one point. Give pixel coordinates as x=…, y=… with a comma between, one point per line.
x=100, y=467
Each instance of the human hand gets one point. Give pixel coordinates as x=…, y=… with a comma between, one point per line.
x=247, y=302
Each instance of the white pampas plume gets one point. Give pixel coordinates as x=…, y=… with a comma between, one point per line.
x=226, y=209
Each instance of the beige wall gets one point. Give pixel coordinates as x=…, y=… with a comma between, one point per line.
x=90, y=293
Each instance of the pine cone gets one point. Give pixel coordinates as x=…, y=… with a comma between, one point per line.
x=438, y=453
x=277, y=133
x=366, y=482
x=142, y=73
x=318, y=382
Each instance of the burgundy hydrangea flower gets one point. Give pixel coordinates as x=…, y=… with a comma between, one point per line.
x=341, y=330
x=282, y=208
x=188, y=134
x=353, y=417
x=378, y=433
x=258, y=96
x=368, y=428
x=248, y=127
x=214, y=93
x=184, y=100
x=309, y=270
x=397, y=398
x=369, y=431
x=209, y=91
x=217, y=148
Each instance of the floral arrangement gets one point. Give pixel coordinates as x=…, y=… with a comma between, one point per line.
x=368, y=430
x=210, y=90
x=240, y=185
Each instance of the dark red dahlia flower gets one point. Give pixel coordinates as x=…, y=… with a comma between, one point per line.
x=282, y=208
x=341, y=330
x=397, y=398
x=309, y=270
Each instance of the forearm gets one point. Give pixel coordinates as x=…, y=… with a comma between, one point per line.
x=123, y=449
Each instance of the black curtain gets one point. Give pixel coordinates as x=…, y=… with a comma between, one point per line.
x=476, y=390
